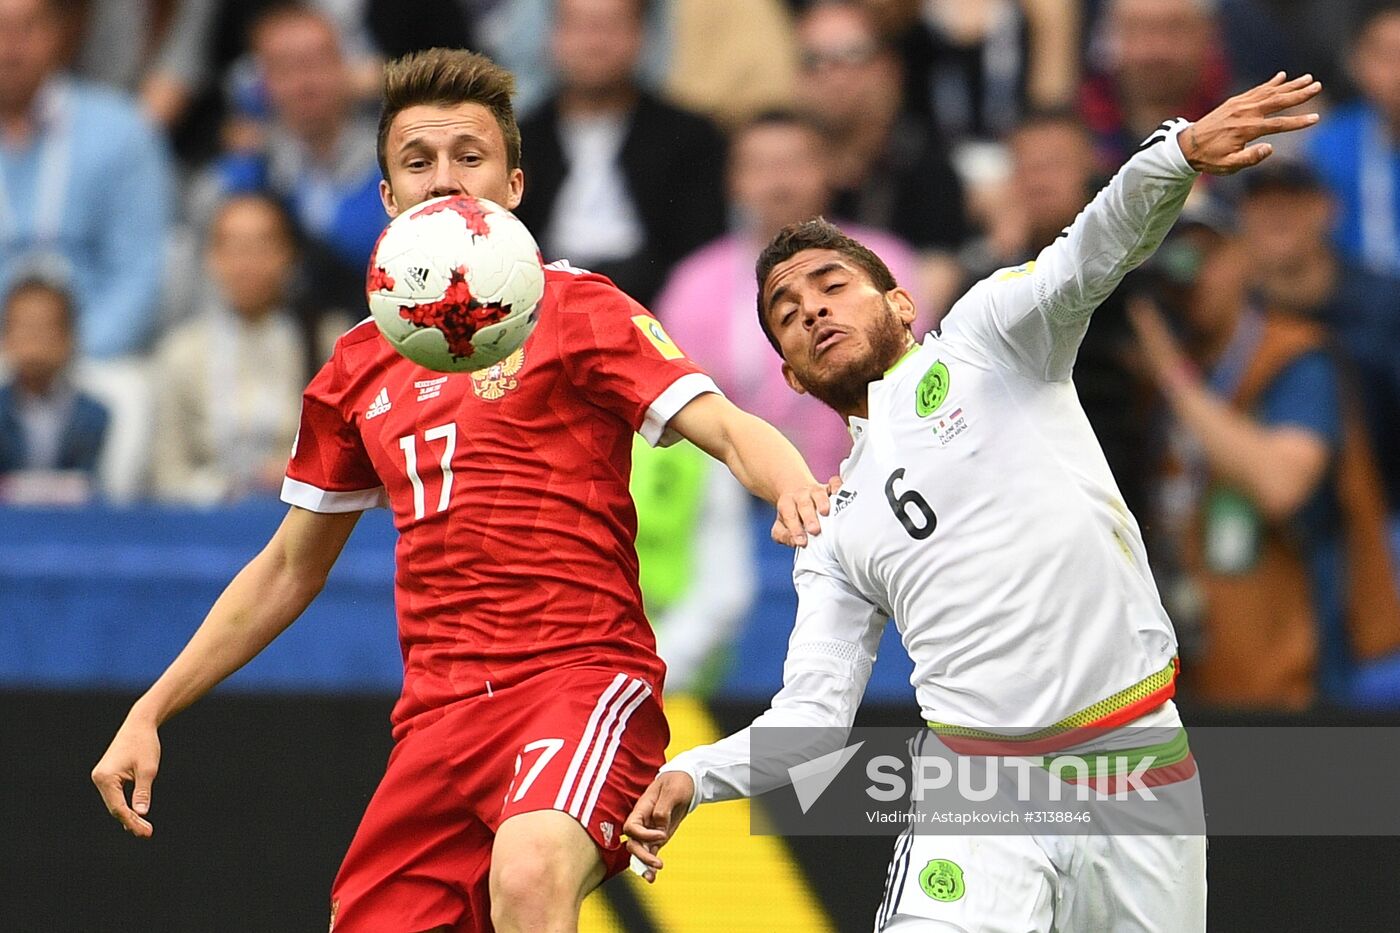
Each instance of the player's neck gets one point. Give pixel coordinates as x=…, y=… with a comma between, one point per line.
x=860, y=408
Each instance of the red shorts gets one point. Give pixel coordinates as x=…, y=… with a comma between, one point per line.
x=583, y=741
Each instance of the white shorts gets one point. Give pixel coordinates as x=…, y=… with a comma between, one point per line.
x=1040, y=884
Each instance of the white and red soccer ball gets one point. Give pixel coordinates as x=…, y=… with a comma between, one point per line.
x=455, y=283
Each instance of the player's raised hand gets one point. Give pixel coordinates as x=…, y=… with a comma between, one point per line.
x=1222, y=141
x=132, y=758
x=655, y=818
x=798, y=515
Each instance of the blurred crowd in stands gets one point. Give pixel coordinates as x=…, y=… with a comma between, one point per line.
x=189, y=194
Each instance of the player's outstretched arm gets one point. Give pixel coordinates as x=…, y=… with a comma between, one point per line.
x=759, y=457
x=264, y=598
x=1039, y=312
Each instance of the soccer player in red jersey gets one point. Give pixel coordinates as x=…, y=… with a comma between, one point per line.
x=530, y=719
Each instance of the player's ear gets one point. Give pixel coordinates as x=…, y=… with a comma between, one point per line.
x=902, y=303
x=793, y=382
x=386, y=196
x=516, y=185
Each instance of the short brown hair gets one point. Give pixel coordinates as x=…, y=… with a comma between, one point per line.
x=818, y=233
x=447, y=77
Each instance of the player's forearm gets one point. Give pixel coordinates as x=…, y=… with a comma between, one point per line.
x=810, y=717
x=763, y=459
x=257, y=606
x=1117, y=231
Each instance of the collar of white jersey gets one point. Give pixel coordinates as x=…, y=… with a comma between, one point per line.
x=858, y=426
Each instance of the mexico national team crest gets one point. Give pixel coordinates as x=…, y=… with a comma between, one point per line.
x=496, y=380
x=932, y=389
x=942, y=880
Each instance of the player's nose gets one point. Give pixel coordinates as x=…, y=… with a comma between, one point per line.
x=445, y=183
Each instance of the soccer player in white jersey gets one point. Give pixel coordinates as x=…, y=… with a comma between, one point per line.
x=979, y=512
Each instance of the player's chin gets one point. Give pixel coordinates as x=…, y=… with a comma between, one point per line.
x=838, y=359
x=847, y=361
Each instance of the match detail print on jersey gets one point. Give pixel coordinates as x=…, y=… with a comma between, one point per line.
x=652, y=330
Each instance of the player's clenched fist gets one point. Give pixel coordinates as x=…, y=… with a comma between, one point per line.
x=655, y=818
x=1219, y=143
x=132, y=758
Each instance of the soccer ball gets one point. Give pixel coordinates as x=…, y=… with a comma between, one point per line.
x=455, y=284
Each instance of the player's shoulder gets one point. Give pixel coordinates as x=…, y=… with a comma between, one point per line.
x=360, y=348
x=579, y=291
x=359, y=334
x=971, y=315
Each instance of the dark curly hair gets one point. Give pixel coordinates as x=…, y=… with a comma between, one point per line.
x=818, y=233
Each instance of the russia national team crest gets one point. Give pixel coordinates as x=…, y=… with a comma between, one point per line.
x=608, y=830
x=496, y=380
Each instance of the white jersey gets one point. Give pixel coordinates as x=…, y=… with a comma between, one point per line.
x=978, y=511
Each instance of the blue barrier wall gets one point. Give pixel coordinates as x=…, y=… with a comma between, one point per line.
x=99, y=598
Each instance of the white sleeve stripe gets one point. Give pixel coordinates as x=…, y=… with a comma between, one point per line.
x=678, y=395
x=314, y=499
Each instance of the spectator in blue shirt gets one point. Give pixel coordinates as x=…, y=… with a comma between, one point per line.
x=50, y=432
x=1285, y=215
x=1357, y=148
x=318, y=153
x=1271, y=491
x=85, y=184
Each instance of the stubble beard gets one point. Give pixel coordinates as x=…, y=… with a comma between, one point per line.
x=845, y=389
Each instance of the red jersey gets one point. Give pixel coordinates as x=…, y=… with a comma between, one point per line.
x=509, y=488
